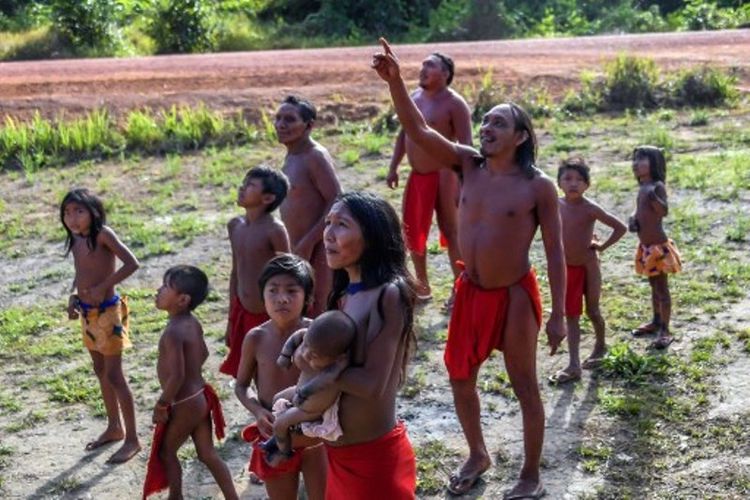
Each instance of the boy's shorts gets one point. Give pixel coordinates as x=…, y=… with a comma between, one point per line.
x=105, y=327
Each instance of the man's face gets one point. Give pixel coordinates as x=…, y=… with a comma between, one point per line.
x=289, y=124
x=498, y=131
x=433, y=74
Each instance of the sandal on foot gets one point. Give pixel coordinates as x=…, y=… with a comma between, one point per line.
x=645, y=329
x=539, y=492
x=459, y=484
x=562, y=377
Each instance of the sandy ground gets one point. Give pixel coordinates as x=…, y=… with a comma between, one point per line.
x=332, y=77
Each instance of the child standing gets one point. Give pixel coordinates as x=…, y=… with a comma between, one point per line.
x=104, y=314
x=579, y=215
x=323, y=347
x=287, y=287
x=656, y=255
x=256, y=238
x=186, y=400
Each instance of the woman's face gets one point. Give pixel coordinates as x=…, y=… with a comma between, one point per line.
x=342, y=238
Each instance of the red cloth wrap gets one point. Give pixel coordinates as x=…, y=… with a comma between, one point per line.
x=478, y=322
x=381, y=469
x=241, y=321
x=156, y=474
x=575, y=288
x=258, y=463
x=420, y=198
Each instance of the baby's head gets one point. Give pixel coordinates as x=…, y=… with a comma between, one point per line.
x=329, y=336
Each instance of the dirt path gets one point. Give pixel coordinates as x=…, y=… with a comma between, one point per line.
x=252, y=80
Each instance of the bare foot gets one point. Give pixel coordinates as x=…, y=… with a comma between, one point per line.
x=525, y=489
x=595, y=359
x=127, y=451
x=424, y=294
x=662, y=341
x=108, y=436
x=464, y=480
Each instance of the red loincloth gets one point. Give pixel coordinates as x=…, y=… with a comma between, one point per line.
x=241, y=321
x=478, y=322
x=575, y=288
x=156, y=474
x=420, y=199
x=381, y=469
x=258, y=463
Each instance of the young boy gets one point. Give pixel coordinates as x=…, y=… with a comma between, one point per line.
x=504, y=200
x=579, y=215
x=657, y=255
x=287, y=286
x=313, y=189
x=186, y=400
x=256, y=238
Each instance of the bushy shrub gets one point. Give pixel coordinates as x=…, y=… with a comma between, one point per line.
x=703, y=87
x=630, y=83
x=183, y=26
x=88, y=25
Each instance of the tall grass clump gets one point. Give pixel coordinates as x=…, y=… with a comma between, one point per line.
x=96, y=135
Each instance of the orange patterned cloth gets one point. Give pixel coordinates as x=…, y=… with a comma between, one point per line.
x=653, y=260
x=105, y=327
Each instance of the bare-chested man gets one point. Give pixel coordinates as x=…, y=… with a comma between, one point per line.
x=313, y=189
x=504, y=198
x=428, y=190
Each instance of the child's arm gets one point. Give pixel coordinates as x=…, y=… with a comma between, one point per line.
x=399, y=150
x=658, y=199
x=171, y=357
x=287, y=352
x=109, y=239
x=618, y=228
x=280, y=239
x=245, y=375
x=232, y=277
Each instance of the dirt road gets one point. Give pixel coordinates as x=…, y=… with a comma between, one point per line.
x=337, y=77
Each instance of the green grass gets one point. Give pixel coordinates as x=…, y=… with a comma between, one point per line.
x=77, y=385
x=431, y=469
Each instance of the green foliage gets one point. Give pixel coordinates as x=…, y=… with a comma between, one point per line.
x=623, y=362
x=183, y=26
x=88, y=24
x=704, y=86
x=630, y=83
x=41, y=142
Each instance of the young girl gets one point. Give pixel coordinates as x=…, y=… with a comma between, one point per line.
x=104, y=314
x=656, y=255
x=323, y=347
x=373, y=459
x=286, y=284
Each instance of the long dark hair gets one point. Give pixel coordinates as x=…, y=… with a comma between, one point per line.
x=94, y=205
x=526, y=152
x=383, y=259
x=656, y=162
